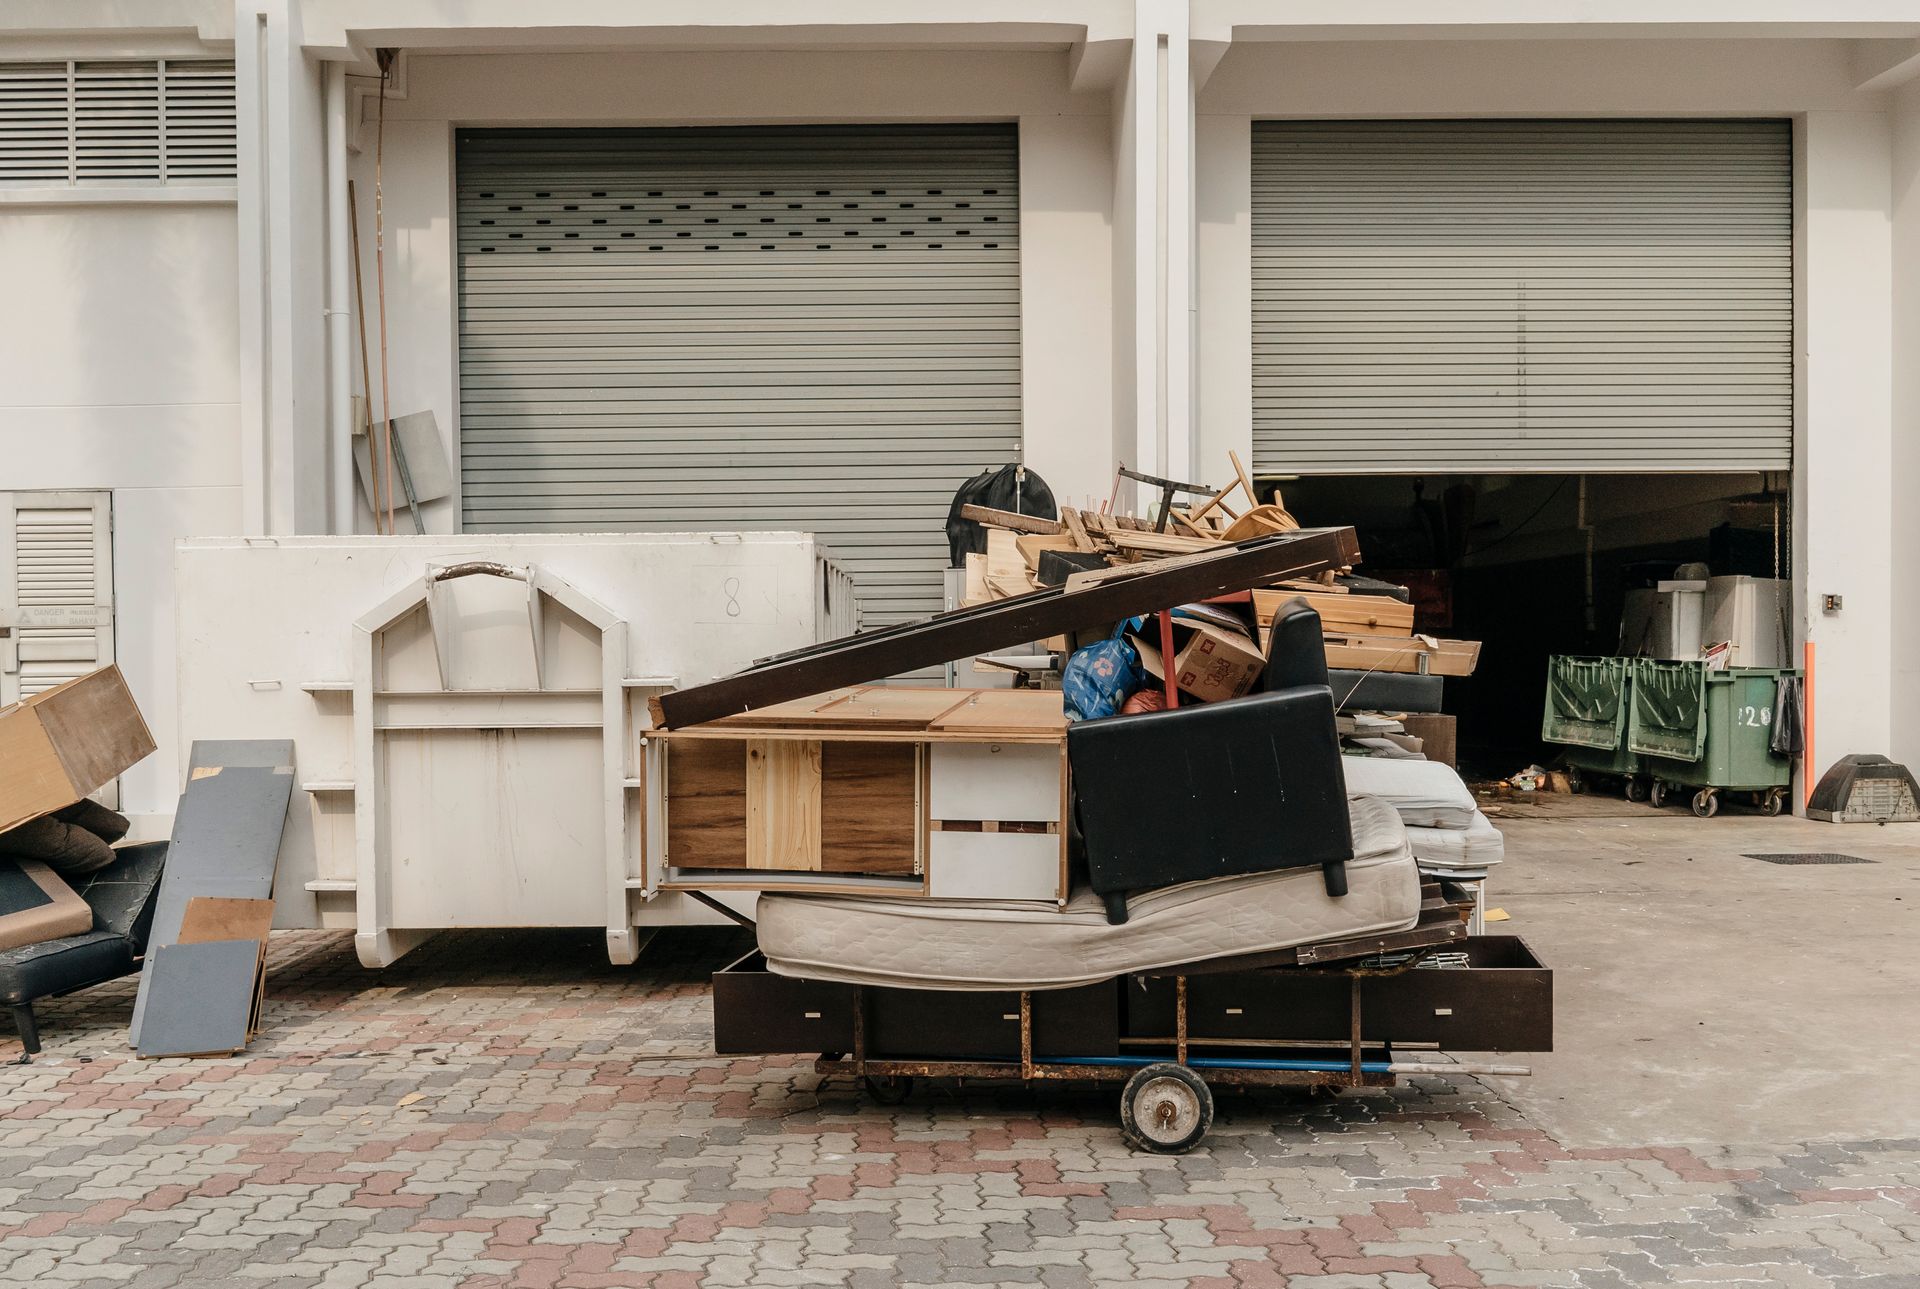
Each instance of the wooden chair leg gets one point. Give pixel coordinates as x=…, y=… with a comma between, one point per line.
x=29, y=1029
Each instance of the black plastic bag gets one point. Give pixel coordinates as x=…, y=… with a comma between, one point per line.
x=1013, y=488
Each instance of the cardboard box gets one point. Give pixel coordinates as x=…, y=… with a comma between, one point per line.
x=1211, y=664
x=1437, y=735
x=66, y=742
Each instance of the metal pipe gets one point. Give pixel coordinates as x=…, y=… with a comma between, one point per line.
x=339, y=308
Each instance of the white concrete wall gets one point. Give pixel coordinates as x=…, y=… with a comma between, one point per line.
x=1067, y=305
x=119, y=371
x=1904, y=552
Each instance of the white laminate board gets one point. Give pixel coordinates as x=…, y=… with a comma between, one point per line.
x=1002, y=781
x=993, y=866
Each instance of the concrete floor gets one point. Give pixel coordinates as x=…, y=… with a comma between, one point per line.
x=1702, y=996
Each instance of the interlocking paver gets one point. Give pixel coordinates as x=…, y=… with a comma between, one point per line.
x=566, y=1125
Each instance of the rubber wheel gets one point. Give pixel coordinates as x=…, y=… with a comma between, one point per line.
x=1636, y=789
x=1576, y=782
x=1165, y=1108
x=888, y=1089
x=1773, y=801
x=1658, y=794
x=1706, y=803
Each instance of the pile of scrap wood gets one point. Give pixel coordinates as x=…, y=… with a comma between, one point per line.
x=1369, y=625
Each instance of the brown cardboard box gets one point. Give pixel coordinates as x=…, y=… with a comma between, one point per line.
x=1435, y=732
x=60, y=745
x=1211, y=664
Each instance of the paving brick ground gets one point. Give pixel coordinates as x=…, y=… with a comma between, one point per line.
x=507, y=1110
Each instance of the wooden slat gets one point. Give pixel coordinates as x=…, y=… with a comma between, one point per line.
x=1342, y=614
x=783, y=804
x=1009, y=519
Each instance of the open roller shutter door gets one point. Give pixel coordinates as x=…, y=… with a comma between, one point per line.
x=1502, y=296
x=795, y=328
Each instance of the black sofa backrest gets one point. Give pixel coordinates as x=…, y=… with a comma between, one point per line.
x=123, y=893
x=1249, y=785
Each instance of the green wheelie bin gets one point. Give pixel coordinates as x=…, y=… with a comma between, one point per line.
x=1586, y=713
x=1711, y=731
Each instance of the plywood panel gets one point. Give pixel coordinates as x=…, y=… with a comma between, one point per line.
x=783, y=804
x=889, y=708
x=706, y=803
x=868, y=815
x=1008, y=711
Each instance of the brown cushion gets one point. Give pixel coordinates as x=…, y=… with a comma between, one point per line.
x=73, y=841
x=36, y=905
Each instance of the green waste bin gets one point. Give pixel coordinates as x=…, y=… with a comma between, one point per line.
x=1708, y=730
x=1586, y=713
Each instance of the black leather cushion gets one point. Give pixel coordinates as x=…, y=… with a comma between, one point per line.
x=1245, y=786
x=1385, y=691
x=56, y=966
x=1296, y=649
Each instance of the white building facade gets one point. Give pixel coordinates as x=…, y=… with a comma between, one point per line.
x=653, y=265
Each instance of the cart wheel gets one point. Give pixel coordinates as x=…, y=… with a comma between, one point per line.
x=1658, y=794
x=1636, y=789
x=1706, y=803
x=1773, y=801
x=1165, y=1108
x=1576, y=781
x=888, y=1089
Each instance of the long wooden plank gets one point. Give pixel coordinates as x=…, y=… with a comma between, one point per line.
x=1008, y=519
x=1049, y=611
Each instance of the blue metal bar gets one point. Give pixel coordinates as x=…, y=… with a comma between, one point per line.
x=1223, y=1063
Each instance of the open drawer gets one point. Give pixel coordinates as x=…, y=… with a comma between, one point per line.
x=1501, y=1001
x=757, y=1012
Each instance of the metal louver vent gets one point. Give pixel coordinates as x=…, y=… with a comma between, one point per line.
x=120, y=121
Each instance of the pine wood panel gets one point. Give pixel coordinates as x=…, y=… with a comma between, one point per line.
x=783, y=804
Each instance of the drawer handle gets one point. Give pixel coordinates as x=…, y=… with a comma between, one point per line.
x=1234, y=1011
x=1010, y=1016
x=811, y=1015
x=1443, y=1011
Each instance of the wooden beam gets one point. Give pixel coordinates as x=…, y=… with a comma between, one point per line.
x=1008, y=519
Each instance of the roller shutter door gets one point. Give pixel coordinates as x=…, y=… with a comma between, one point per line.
x=809, y=328
x=1502, y=296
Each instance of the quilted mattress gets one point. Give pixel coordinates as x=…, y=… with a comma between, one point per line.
x=967, y=944
x=1427, y=794
x=1478, y=845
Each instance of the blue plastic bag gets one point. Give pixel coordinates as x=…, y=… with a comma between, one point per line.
x=1098, y=679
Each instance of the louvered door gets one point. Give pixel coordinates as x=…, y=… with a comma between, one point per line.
x=797, y=328
x=56, y=589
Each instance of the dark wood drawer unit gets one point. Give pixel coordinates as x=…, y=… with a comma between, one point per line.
x=756, y=1012
x=954, y=1025
x=1501, y=1002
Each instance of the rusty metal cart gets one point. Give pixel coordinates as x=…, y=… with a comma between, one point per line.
x=1325, y=1016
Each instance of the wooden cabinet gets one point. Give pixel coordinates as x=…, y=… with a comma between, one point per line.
x=949, y=793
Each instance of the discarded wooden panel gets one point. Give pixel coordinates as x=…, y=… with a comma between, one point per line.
x=869, y=807
x=1341, y=613
x=226, y=839
x=706, y=803
x=783, y=804
x=1416, y=655
x=201, y=998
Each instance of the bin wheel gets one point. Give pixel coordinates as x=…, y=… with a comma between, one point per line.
x=1576, y=781
x=1165, y=1108
x=1636, y=789
x=1659, y=794
x=1773, y=801
x=1706, y=803
x=888, y=1089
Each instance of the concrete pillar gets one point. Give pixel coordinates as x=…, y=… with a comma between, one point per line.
x=1844, y=535
x=1904, y=556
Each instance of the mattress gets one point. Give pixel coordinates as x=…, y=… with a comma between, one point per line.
x=1427, y=794
x=966, y=944
x=1476, y=846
